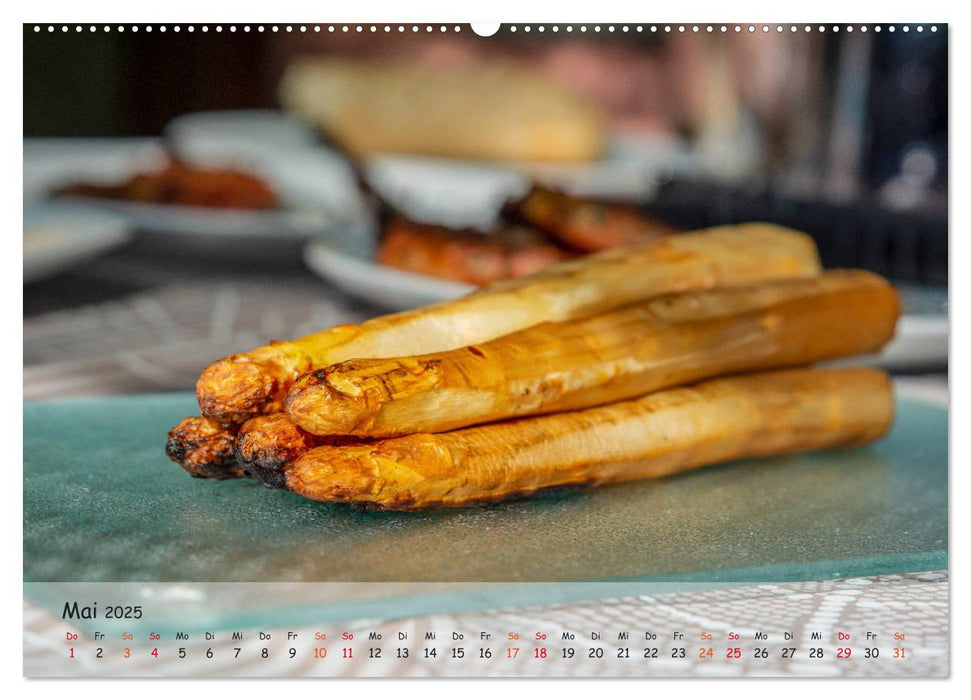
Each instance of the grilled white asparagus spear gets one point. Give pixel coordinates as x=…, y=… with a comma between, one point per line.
x=245, y=385
x=659, y=434
x=662, y=342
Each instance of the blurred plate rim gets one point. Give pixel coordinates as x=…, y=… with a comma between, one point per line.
x=211, y=221
x=85, y=232
x=357, y=274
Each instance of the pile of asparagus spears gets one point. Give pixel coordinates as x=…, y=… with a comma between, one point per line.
x=639, y=362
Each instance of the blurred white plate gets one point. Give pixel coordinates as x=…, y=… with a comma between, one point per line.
x=206, y=221
x=921, y=339
x=349, y=267
x=221, y=137
x=315, y=186
x=57, y=238
x=449, y=191
x=470, y=193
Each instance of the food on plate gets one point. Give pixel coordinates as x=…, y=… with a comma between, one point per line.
x=494, y=112
x=204, y=448
x=465, y=255
x=585, y=225
x=245, y=385
x=662, y=433
x=181, y=184
x=543, y=227
x=661, y=342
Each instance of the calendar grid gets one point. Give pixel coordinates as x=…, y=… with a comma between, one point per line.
x=892, y=625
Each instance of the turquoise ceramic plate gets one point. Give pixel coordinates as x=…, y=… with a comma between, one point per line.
x=102, y=503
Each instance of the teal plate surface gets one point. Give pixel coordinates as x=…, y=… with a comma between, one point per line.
x=103, y=503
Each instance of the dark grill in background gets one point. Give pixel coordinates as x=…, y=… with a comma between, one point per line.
x=906, y=246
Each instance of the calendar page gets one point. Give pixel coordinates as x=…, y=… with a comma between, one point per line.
x=485, y=350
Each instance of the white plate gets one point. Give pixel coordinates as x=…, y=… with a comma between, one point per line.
x=449, y=191
x=56, y=238
x=222, y=137
x=470, y=193
x=349, y=267
x=314, y=185
x=205, y=221
x=921, y=339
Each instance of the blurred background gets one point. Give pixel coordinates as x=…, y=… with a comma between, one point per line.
x=191, y=194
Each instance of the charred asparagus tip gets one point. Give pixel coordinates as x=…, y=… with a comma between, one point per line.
x=335, y=474
x=322, y=408
x=236, y=389
x=204, y=448
x=268, y=445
